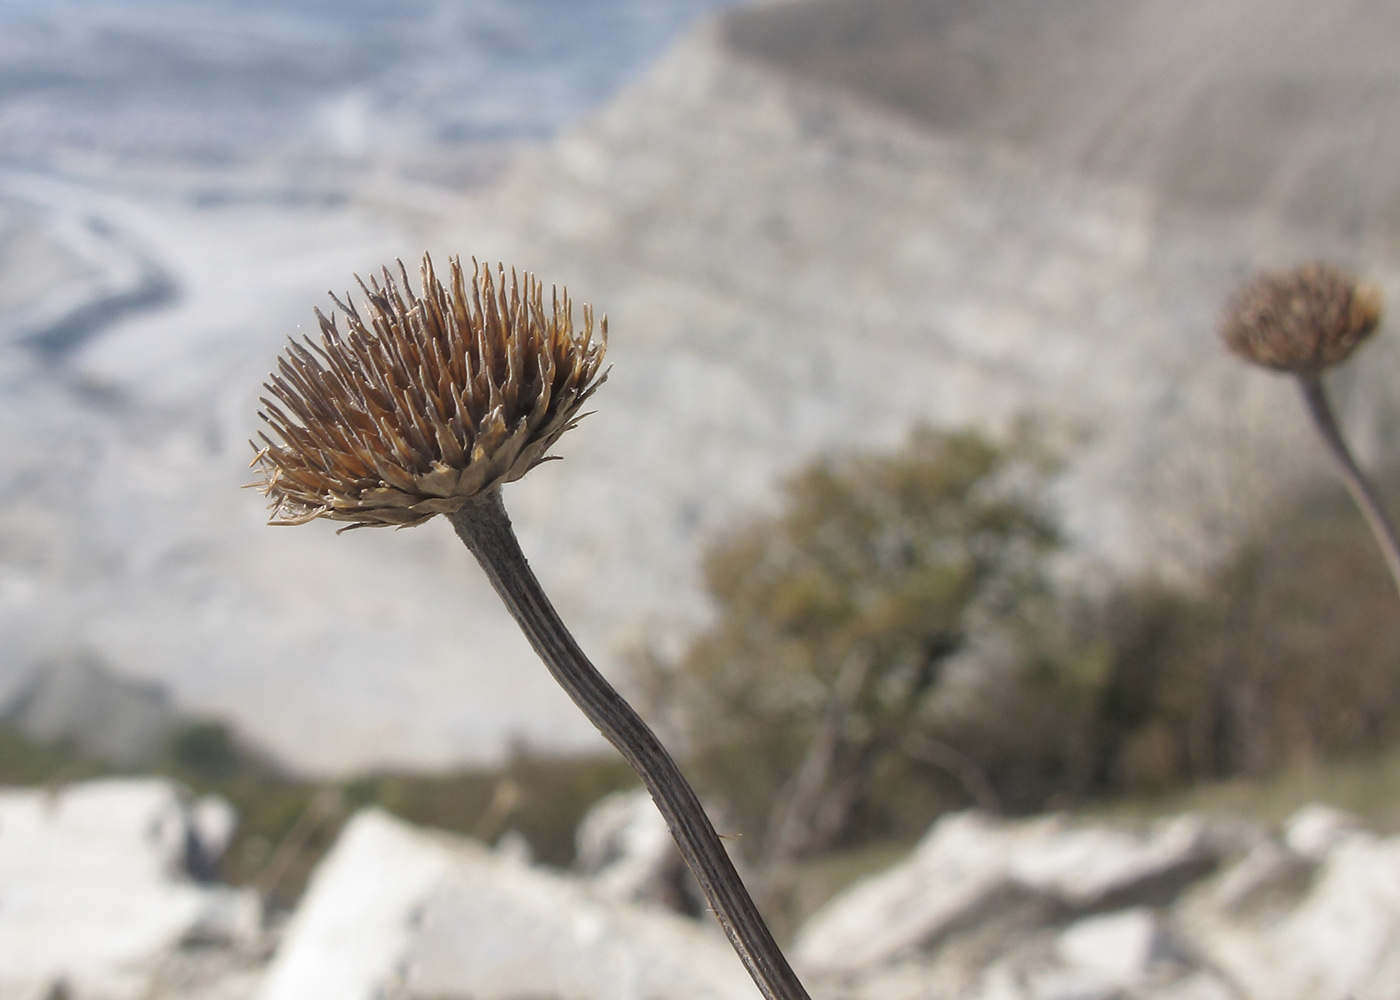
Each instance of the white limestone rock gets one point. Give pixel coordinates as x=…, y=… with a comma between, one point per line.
x=627, y=853
x=1315, y=829
x=955, y=870
x=395, y=911
x=94, y=892
x=1123, y=949
x=1096, y=866
x=972, y=870
x=213, y=822
x=1325, y=926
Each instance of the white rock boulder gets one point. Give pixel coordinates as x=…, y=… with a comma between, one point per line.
x=1123, y=949
x=1188, y=908
x=94, y=893
x=395, y=911
x=1320, y=923
x=625, y=851
x=972, y=870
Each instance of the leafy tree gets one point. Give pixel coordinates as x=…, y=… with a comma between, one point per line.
x=887, y=646
x=837, y=617
x=1291, y=650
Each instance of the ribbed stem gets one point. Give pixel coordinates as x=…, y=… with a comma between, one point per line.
x=485, y=528
x=1360, y=488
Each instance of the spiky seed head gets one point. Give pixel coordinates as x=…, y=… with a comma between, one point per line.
x=1301, y=321
x=423, y=402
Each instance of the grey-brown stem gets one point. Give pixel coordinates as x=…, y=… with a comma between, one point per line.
x=485, y=528
x=1356, y=482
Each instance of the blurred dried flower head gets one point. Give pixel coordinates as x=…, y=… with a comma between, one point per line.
x=1301, y=321
x=424, y=403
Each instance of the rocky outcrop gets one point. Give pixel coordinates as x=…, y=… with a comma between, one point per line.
x=788, y=271
x=1306, y=918
x=394, y=911
x=624, y=850
x=1192, y=907
x=1048, y=909
x=975, y=888
x=76, y=700
x=96, y=902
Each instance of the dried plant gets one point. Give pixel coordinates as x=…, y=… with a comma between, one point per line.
x=432, y=402
x=428, y=408
x=1303, y=322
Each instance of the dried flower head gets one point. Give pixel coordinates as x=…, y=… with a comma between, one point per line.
x=424, y=403
x=1301, y=321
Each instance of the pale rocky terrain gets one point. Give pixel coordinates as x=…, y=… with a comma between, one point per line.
x=1193, y=906
x=94, y=896
x=1280, y=108
x=178, y=189
x=789, y=271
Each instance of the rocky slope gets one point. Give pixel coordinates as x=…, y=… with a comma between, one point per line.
x=93, y=896
x=789, y=270
x=1276, y=107
x=97, y=899
x=1190, y=907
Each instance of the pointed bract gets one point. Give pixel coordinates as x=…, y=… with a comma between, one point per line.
x=421, y=404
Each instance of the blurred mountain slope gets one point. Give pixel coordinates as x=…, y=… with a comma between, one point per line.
x=1284, y=107
x=179, y=184
x=790, y=269
x=214, y=83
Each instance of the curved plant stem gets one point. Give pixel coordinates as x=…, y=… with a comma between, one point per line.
x=485, y=528
x=1360, y=488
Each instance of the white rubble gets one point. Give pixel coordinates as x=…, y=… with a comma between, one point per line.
x=1124, y=948
x=94, y=893
x=213, y=820
x=971, y=869
x=94, y=897
x=1321, y=927
x=1191, y=908
x=1315, y=829
x=625, y=850
x=394, y=911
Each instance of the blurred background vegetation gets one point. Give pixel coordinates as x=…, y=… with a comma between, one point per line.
x=894, y=642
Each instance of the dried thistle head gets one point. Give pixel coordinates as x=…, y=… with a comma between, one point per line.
x=424, y=402
x=1301, y=321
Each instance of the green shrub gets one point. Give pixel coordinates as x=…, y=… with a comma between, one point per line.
x=886, y=647
x=1290, y=652
x=836, y=618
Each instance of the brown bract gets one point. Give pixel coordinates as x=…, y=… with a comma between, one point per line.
x=424, y=402
x=1301, y=321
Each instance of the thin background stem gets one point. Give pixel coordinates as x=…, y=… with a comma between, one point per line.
x=484, y=527
x=1315, y=396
